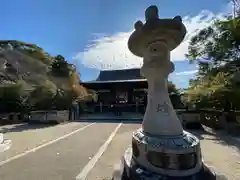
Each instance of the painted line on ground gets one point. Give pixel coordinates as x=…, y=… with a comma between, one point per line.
x=85, y=171
x=43, y=145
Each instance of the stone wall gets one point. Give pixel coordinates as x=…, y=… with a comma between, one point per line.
x=234, y=126
x=49, y=116
x=11, y=118
x=212, y=118
x=190, y=117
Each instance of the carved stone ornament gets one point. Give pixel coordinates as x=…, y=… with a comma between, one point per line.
x=161, y=149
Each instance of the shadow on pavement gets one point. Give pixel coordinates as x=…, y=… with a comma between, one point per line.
x=202, y=133
x=219, y=136
x=23, y=127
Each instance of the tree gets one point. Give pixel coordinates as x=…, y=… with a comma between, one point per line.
x=43, y=95
x=216, y=47
x=174, y=95
x=77, y=91
x=217, y=53
x=235, y=7
x=60, y=66
x=56, y=82
x=12, y=98
x=172, y=88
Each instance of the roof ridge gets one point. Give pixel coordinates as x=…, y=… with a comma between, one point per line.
x=119, y=74
x=118, y=69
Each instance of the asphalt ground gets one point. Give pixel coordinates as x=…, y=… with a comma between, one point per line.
x=61, y=160
x=91, y=150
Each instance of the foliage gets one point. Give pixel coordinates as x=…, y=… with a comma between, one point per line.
x=172, y=88
x=216, y=50
x=60, y=66
x=78, y=91
x=30, y=49
x=216, y=46
x=54, y=87
x=174, y=95
x=236, y=7
x=41, y=55
x=13, y=99
x=62, y=100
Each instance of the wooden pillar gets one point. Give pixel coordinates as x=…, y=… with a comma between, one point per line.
x=100, y=105
x=136, y=106
x=130, y=95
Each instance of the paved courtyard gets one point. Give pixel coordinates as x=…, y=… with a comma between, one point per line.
x=89, y=150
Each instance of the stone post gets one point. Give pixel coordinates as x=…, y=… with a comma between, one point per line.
x=161, y=149
x=5, y=144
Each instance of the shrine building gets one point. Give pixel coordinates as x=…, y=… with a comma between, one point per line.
x=125, y=89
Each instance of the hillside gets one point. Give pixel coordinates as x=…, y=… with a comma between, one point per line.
x=33, y=66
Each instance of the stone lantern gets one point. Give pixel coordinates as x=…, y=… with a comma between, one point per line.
x=161, y=149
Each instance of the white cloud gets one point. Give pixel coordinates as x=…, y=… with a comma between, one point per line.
x=111, y=52
x=186, y=73
x=180, y=79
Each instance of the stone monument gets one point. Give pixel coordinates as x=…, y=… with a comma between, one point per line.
x=161, y=149
x=5, y=144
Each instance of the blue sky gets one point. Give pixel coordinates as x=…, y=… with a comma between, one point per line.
x=92, y=34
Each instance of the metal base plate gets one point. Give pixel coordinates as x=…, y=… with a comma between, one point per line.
x=129, y=170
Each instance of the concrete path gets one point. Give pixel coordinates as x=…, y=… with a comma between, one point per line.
x=62, y=160
x=90, y=151
x=25, y=136
x=104, y=168
x=219, y=151
x=222, y=152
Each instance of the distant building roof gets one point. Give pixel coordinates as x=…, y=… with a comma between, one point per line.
x=123, y=75
x=124, y=78
x=116, y=81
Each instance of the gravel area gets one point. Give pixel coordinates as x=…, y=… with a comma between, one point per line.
x=222, y=152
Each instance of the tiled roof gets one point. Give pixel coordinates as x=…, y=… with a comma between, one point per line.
x=120, y=75
x=116, y=81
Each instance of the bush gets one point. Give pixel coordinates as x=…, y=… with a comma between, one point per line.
x=60, y=66
x=43, y=95
x=12, y=99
